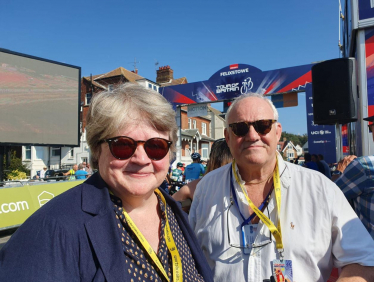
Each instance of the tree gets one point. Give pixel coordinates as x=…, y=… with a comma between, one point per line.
x=295, y=139
x=16, y=167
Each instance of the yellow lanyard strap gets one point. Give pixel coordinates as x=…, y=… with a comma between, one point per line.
x=176, y=259
x=277, y=188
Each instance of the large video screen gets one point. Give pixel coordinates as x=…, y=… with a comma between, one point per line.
x=39, y=101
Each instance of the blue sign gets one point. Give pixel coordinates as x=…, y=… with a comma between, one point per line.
x=321, y=138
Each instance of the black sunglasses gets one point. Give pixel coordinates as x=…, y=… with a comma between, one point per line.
x=262, y=127
x=123, y=147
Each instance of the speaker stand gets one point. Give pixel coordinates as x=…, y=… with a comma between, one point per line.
x=338, y=142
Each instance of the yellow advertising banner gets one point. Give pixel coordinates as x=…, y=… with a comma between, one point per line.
x=18, y=203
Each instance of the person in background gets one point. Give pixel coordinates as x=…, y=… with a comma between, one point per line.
x=81, y=173
x=84, y=164
x=356, y=180
x=42, y=172
x=260, y=211
x=195, y=170
x=309, y=162
x=177, y=173
x=325, y=165
x=89, y=169
x=320, y=166
x=219, y=155
x=71, y=172
x=117, y=225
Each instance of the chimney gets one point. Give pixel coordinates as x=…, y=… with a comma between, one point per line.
x=164, y=74
x=135, y=71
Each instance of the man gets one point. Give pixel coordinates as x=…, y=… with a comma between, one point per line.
x=313, y=227
x=177, y=173
x=357, y=183
x=309, y=163
x=81, y=173
x=71, y=172
x=42, y=172
x=89, y=169
x=195, y=170
x=325, y=165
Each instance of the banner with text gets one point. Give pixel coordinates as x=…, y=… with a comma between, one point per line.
x=18, y=203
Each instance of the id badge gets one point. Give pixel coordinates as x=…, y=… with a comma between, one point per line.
x=249, y=232
x=282, y=270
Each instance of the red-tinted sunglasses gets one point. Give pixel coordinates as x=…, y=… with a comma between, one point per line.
x=123, y=147
x=262, y=127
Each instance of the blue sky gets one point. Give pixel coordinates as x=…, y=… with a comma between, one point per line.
x=195, y=38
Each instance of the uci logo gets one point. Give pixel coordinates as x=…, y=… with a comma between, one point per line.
x=314, y=132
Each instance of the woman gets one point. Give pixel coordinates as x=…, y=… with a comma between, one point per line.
x=116, y=226
x=219, y=156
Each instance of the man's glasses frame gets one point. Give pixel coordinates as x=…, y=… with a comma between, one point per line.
x=241, y=246
x=124, y=147
x=262, y=126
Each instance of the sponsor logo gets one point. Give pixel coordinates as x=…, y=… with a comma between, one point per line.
x=311, y=98
x=310, y=114
x=327, y=132
x=247, y=85
x=226, y=73
x=332, y=112
x=321, y=141
x=44, y=197
x=14, y=207
x=234, y=66
x=227, y=88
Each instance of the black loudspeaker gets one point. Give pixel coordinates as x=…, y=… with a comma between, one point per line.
x=334, y=91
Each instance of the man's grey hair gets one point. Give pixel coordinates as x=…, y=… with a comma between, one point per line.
x=110, y=111
x=248, y=95
x=80, y=166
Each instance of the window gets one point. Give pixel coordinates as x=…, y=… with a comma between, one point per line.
x=56, y=151
x=71, y=153
x=189, y=123
x=203, y=127
x=110, y=87
x=154, y=87
x=27, y=152
x=194, y=147
x=204, y=150
x=88, y=98
x=149, y=85
x=194, y=123
x=39, y=153
x=290, y=155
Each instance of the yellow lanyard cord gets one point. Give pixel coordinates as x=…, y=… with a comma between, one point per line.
x=277, y=188
x=176, y=259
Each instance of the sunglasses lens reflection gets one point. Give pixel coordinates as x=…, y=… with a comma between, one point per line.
x=124, y=147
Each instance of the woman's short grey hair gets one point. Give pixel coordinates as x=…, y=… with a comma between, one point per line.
x=110, y=111
x=244, y=96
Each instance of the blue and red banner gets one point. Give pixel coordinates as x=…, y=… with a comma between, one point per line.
x=237, y=79
x=234, y=80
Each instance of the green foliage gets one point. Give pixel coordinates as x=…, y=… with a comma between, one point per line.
x=16, y=168
x=295, y=139
x=16, y=175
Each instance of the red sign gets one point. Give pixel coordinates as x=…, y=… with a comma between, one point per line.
x=233, y=67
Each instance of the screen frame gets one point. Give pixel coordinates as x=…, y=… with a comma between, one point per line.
x=77, y=144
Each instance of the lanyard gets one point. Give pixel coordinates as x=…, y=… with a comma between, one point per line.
x=248, y=220
x=176, y=259
x=276, y=231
